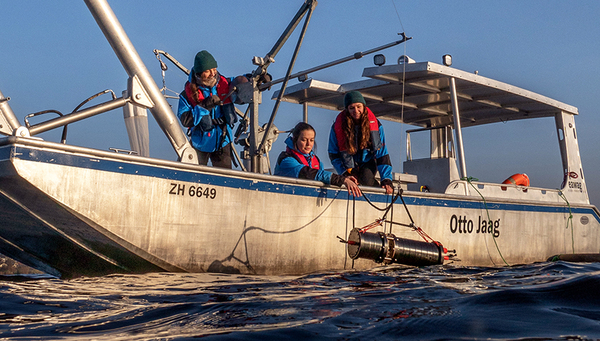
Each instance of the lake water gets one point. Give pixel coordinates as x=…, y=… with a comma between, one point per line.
x=542, y=301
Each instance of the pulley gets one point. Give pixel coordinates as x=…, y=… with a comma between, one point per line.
x=387, y=248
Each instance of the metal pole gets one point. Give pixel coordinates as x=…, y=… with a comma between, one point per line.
x=133, y=65
x=305, y=112
x=8, y=114
x=284, y=36
x=254, y=155
x=77, y=116
x=286, y=79
x=173, y=60
x=356, y=55
x=457, y=129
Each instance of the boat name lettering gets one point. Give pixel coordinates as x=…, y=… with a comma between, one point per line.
x=193, y=191
x=575, y=184
x=460, y=224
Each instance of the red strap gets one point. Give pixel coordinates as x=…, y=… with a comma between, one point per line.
x=302, y=159
x=222, y=91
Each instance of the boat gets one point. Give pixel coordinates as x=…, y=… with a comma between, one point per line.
x=74, y=211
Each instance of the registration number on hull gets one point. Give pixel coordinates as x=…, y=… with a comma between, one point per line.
x=193, y=191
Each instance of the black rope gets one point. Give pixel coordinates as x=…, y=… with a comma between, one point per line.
x=347, y=208
x=406, y=208
x=392, y=214
x=385, y=208
x=353, y=211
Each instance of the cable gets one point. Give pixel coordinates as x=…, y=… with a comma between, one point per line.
x=346, y=234
x=403, y=72
x=570, y=219
x=469, y=179
x=398, y=15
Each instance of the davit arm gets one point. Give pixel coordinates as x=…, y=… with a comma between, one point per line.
x=135, y=68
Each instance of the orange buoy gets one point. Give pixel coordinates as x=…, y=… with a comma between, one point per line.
x=517, y=179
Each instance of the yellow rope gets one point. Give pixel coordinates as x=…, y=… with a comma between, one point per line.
x=570, y=219
x=469, y=179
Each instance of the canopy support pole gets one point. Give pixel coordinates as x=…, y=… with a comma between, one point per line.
x=457, y=129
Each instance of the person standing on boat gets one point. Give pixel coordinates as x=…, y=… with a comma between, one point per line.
x=206, y=108
x=299, y=161
x=357, y=144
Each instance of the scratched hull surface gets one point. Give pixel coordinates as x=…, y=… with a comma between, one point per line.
x=90, y=214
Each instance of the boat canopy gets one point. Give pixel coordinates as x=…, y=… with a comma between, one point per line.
x=420, y=94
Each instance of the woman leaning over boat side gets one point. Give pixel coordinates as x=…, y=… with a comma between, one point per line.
x=206, y=107
x=299, y=161
x=357, y=144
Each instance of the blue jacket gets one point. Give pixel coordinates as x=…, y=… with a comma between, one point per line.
x=212, y=139
x=287, y=165
x=384, y=166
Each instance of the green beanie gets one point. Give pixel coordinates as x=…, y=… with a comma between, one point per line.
x=353, y=97
x=204, y=61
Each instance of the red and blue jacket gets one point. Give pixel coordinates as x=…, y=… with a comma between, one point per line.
x=342, y=160
x=294, y=164
x=213, y=137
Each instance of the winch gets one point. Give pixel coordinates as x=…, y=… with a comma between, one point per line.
x=387, y=248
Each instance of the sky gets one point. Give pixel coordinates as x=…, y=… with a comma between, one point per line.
x=54, y=56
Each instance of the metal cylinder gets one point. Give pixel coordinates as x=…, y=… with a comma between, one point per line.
x=387, y=248
x=366, y=245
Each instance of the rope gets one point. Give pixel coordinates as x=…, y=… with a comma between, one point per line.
x=397, y=14
x=570, y=219
x=392, y=215
x=389, y=207
x=407, y=212
x=370, y=226
x=469, y=180
x=252, y=228
x=412, y=225
x=353, y=211
x=346, y=234
x=353, y=220
x=417, y=229
x=385, y=208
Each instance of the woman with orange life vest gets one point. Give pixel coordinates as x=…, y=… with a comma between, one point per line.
x=357, y=144
x=300, y=161
x=205, y=108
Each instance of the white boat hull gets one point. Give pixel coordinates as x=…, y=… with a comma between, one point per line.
x=85, y=212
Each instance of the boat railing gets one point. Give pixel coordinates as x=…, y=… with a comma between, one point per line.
x=503, y=191
x=131, y=157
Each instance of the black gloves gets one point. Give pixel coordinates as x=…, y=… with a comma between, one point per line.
x=206, y=123
x=229, y=115
x=210, y=102
x=187, y=119
x=218, y=121
x=387, y=182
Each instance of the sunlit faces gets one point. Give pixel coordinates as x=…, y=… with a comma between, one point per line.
x=306, y=141
x=207, y=78
x=356, y=110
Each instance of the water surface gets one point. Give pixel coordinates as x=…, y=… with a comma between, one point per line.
x=544, y=301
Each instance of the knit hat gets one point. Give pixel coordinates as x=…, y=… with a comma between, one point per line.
x=204, y=61
x=353, y=97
